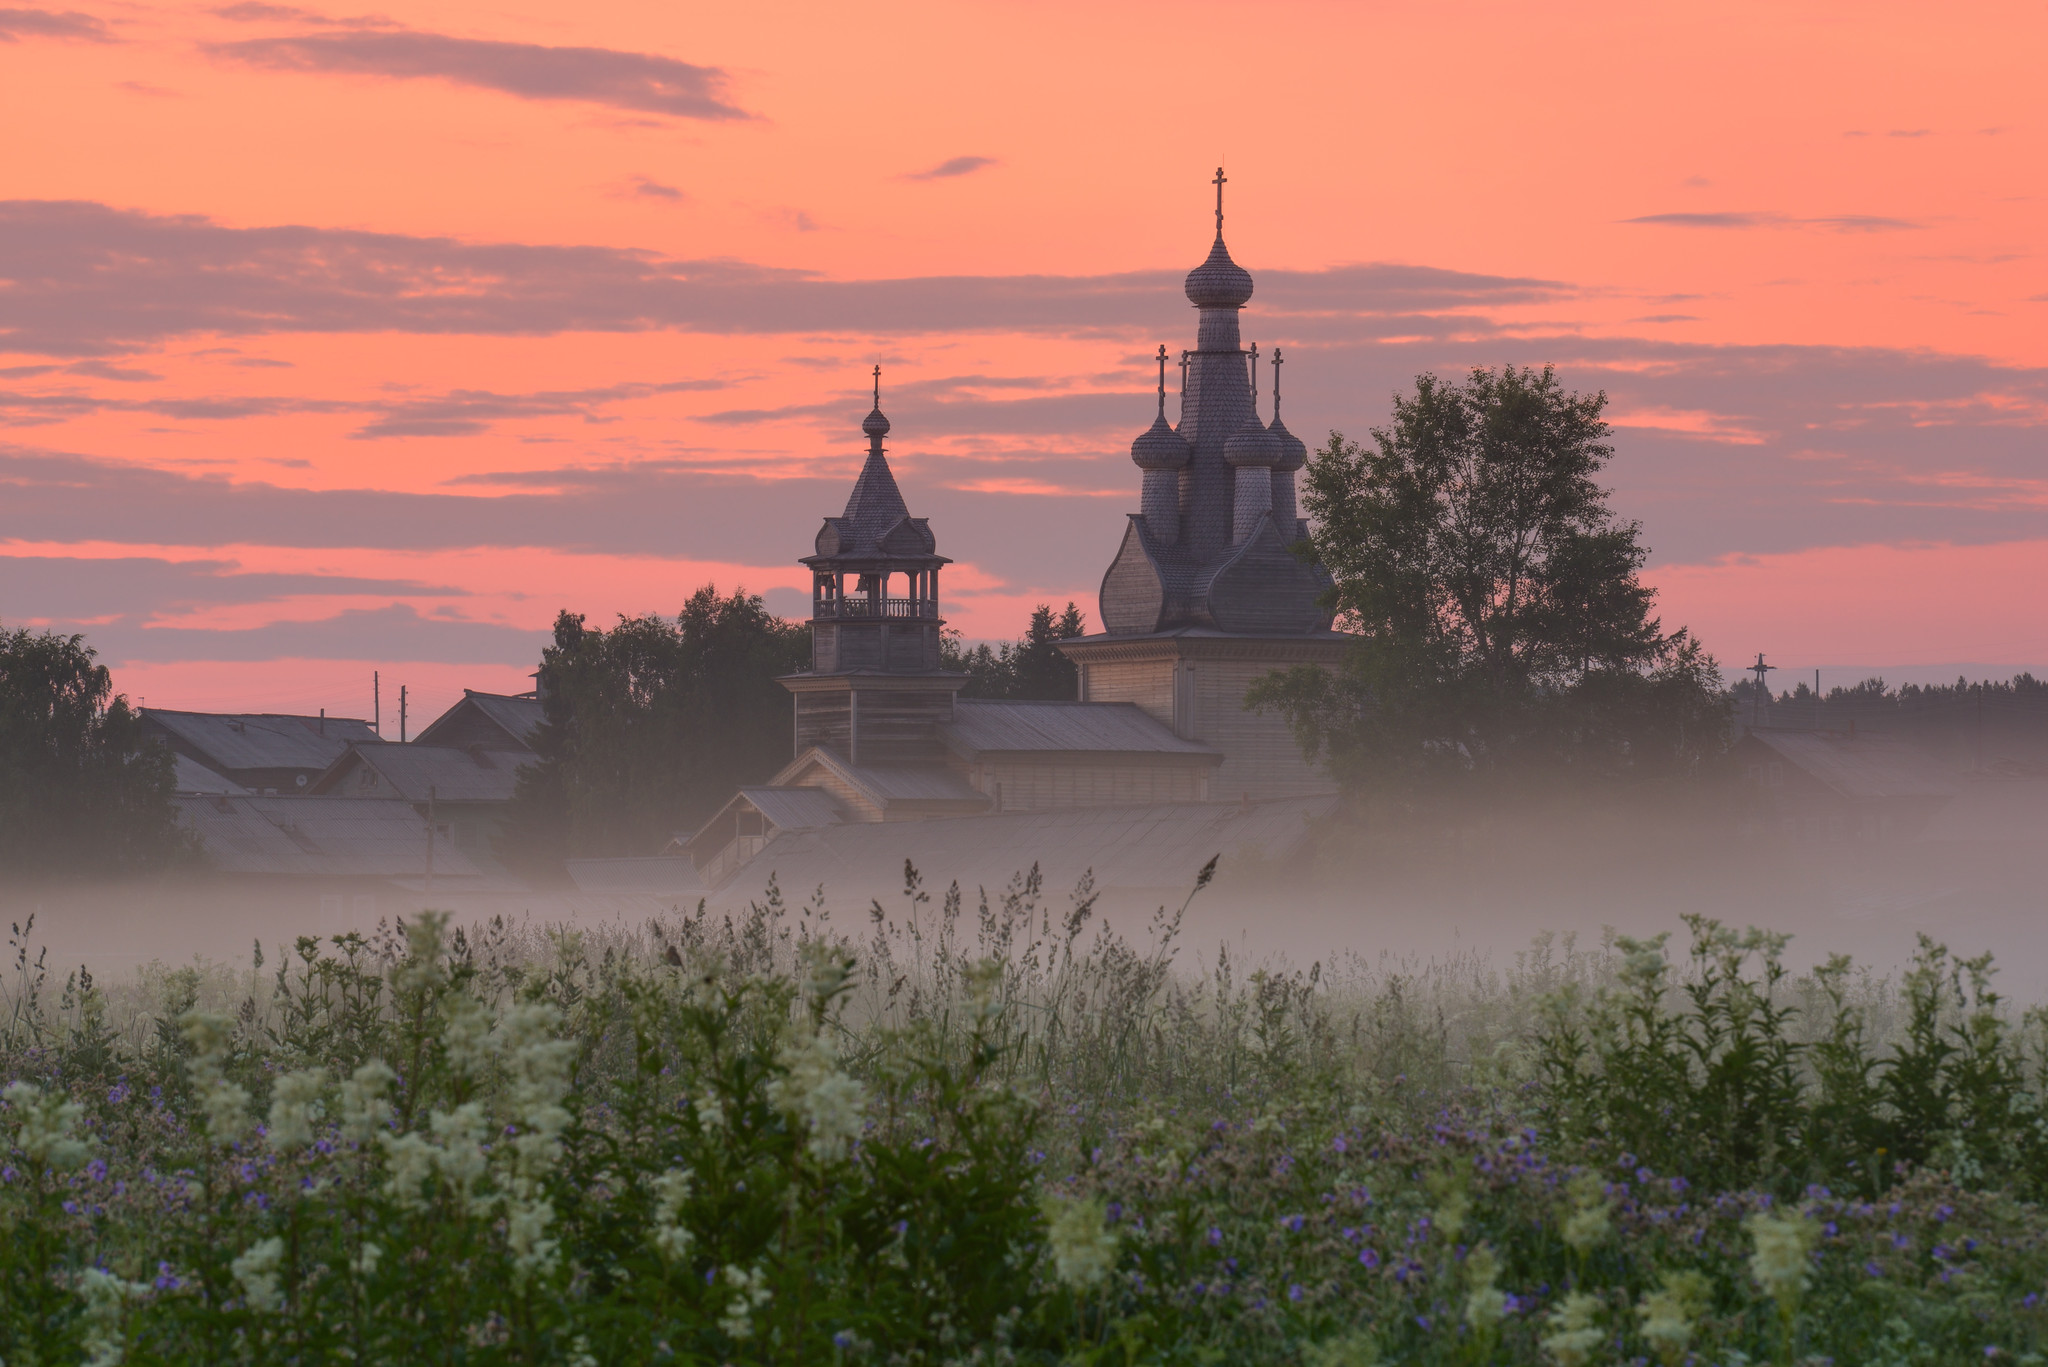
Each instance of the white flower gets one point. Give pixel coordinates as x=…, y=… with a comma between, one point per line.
x=750, y=1293
x=526, y=1224
x=465, y=1033
x=365, y=1262
x=710, y=1113
x=1485, y=1302
x=410, y=1165
x=225, y=1103
x=831, y=1105
x=1083, y=1245
x=460, y=1153
x=1781, y=1263
x=1575, y=1334
x=294, y=1106
x=671, y=1191
x=1591, y=1221
x=45, y=1132
x=365, y=1113
x=256, y=1270
x=105, y=1295
x=1668, y=1313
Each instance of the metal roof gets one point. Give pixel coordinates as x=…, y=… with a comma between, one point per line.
x=913, y=783
x=1863, y=767
x=194, y=777
x=264, y=740
x=795, y=809
x=1159, y=846
x=414, y=771
x=1065, y=727
x=316, y=837
x=520, y=716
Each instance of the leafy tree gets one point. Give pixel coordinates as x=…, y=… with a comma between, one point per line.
x=82, y=789
x=651, y=725
x=1031, y=668
x=1503, y=623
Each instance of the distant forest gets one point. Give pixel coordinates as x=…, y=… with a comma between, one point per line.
x=1965, y=721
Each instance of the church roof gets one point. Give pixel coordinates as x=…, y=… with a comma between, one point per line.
x=1219, y=282
x=877, y=524
x=988, y=727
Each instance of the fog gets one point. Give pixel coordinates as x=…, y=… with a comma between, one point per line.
x=1397, y=889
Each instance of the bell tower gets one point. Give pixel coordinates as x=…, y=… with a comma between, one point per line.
x=875, y=690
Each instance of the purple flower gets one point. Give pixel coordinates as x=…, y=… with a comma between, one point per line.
x=1215, y=1236
x=1294, y=1291
x=1873, y=1270
x=1339, y=1145
x=166, y=1280
x=1369, y=1257
x=1293, y=1223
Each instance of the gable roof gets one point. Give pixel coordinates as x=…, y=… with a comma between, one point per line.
x=795, y=809
x=983, y=727
x=314, y=837
x=416, y=772
x=1864, y=767
x=517, y=715
x=885, y=783
x=190, y=776
x=234, y=741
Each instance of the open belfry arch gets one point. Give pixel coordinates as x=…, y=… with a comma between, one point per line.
x=1205, y=595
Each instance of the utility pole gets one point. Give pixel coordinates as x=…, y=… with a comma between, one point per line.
x=401, y=711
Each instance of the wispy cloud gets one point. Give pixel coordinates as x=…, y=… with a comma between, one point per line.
x=1847, y=223
x=951, y=167
x=640, y=187
x=16, y=24
x=622, y=80
x=257, y=12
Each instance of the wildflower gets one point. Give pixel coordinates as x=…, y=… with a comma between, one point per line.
x=294, y=1106
x=46, y=1122
x=671, y=1191
x=1574, y=1331
x=364, y=1111
x=410, y=1164
x=465, y=1033
x=365, y=1262
x=1780, y=1262
x=225, y=1104
x=104, y=1294
x=750, y=1293
x=1485, y=1302
x=256, y=1271
x=1668, y=1313
x=526, y=1223
x=460, y=1154
x=710, y=1113
x=1591, y=1221
x=830, y=1104
x=1083, y=1246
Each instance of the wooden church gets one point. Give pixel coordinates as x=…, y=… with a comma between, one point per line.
x=1204, y=596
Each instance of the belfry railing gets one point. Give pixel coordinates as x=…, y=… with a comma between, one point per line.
x=862, y=606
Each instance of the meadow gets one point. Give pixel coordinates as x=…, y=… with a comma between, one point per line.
x=986, y=1129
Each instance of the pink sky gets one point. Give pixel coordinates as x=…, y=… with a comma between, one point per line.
x=332, y=342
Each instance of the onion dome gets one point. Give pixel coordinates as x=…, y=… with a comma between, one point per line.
x=874, y=424
x=1293, y=450
x=1252, y=444
x=1219, y=282
x=1159, y=447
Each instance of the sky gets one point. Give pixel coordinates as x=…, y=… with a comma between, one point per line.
x=339, y=341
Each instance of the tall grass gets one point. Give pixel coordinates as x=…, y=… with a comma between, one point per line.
x=990, y=1129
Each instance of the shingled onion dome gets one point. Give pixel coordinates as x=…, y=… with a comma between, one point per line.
x=1253, y=452
x=1219, y=282
x=1293, y=456
x=874, y=424
x=1161, y=452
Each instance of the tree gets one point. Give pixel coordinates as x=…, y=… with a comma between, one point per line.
x=651, y=725
x=1031, y=668
x=82, y=789
x=1503, y=623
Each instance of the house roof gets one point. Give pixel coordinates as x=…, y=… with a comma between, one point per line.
x=194, y=777
x=518, y=715
x=415, y=771
x=263, y=740
x=315, y=837
x=1865, y=767
x=1153, y=847
x=1064, y=727
x=795, y=809
x=886, y=783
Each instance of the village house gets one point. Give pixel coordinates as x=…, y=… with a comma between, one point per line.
x=263, y=752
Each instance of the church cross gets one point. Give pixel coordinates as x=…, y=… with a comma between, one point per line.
x=1276, y=384
x=1221, y=181
x=1162, y=380
x=878, y=387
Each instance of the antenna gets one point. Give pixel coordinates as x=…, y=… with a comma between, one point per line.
x=401, y=714
x=1221, y=181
